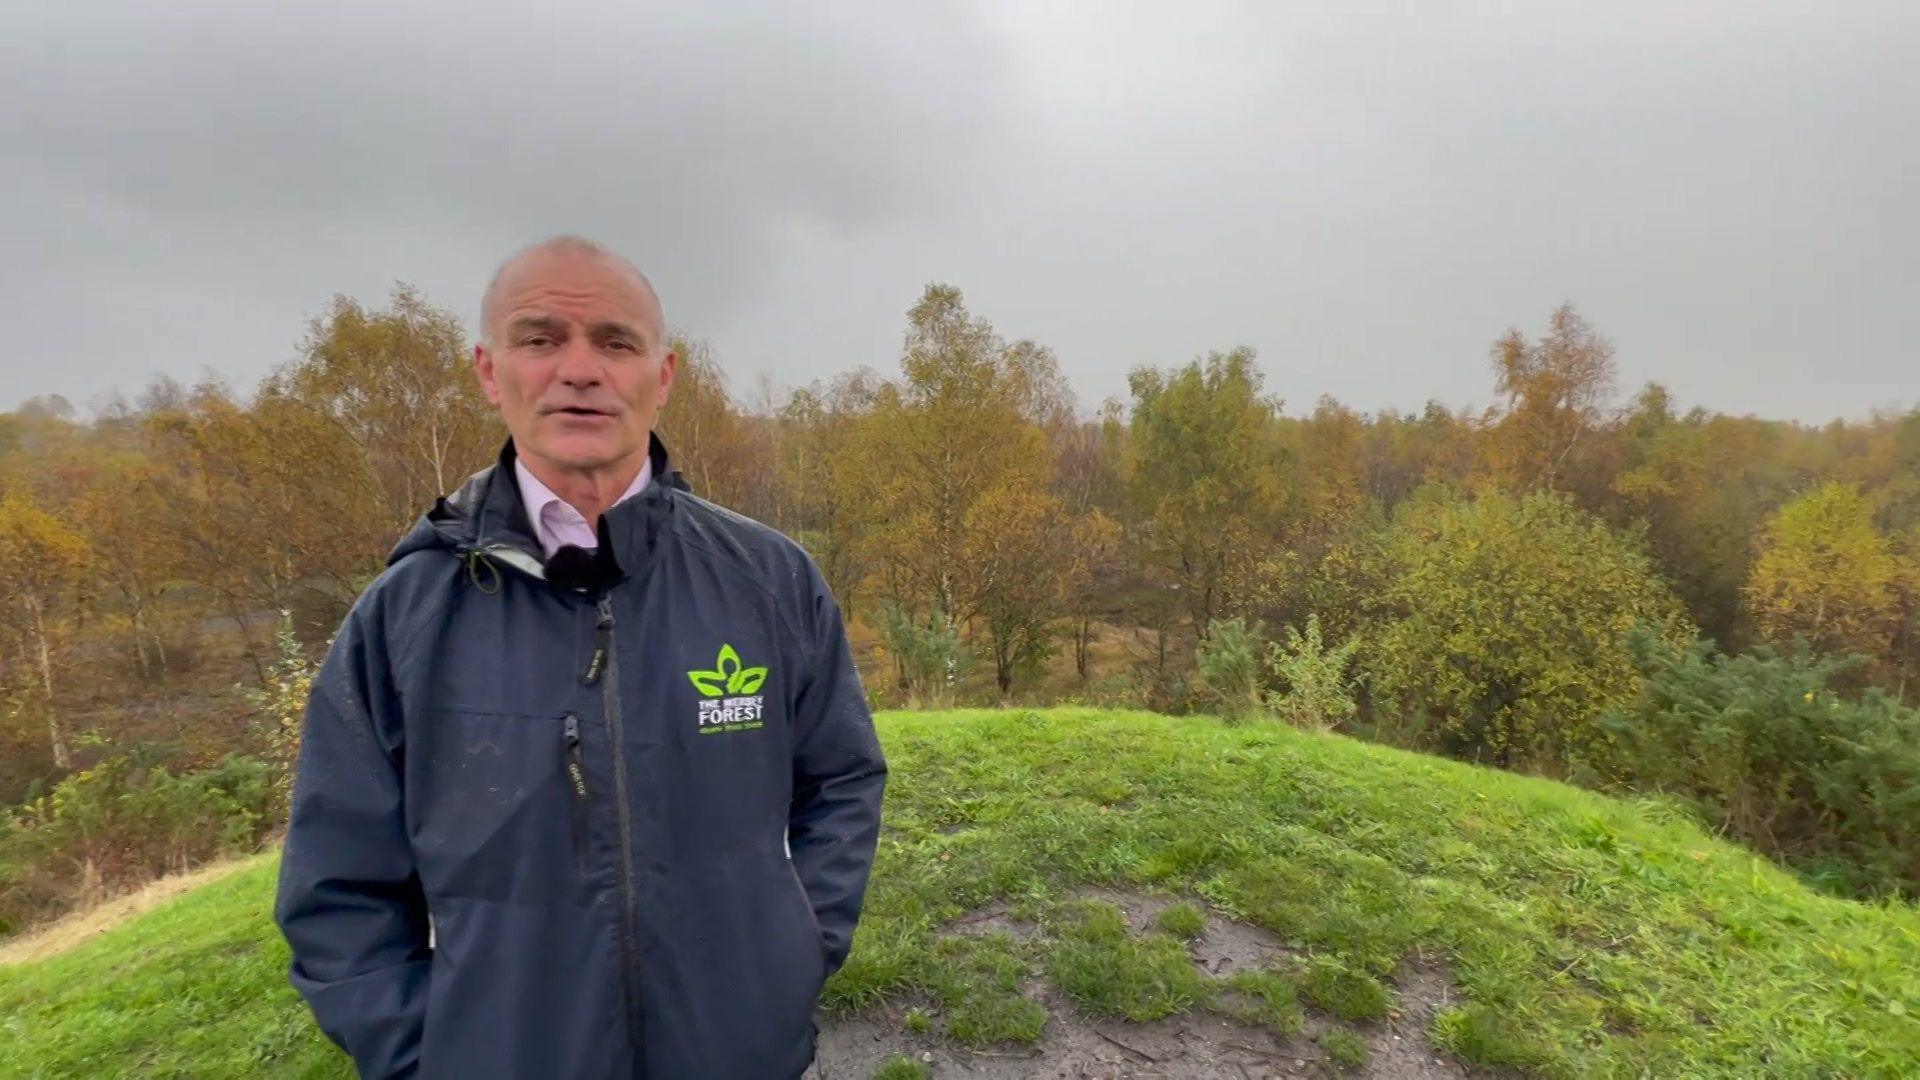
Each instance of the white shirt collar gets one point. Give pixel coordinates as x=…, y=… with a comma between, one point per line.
x=555, y=522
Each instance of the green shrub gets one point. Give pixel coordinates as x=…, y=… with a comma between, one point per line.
x=1500, y=625
x=284, y=705
x=1229, y=662
x=1768, y=751
x=1319, y=693
x=928, y=655
x=122, y=823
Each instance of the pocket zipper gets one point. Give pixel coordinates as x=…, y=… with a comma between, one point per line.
x=576, y=772
x=577, y=781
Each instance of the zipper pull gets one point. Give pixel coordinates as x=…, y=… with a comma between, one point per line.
x=599, y=660
x=602, y=632
x=575, y=772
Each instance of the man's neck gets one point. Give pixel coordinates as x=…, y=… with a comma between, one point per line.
x=590, y=491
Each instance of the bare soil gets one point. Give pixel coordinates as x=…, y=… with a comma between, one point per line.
x=1076, y=1046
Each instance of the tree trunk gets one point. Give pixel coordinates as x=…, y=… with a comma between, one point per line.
x=62, y=758
x=1081, y=639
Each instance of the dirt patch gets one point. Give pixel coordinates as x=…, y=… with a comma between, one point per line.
x=1400, y=1046
x=1078, y=1047
x=82, y=926
x=1073, y=1046
x=1197, y=1044
x=993, y=919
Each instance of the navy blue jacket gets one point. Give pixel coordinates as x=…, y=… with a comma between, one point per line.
x=583, y=777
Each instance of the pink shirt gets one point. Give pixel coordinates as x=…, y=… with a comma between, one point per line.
x=555, y=521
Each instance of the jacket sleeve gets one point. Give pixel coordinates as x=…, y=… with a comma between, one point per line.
x=838, y=777
x=350, y=902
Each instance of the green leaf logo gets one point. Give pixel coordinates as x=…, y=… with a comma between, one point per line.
x=728, y=676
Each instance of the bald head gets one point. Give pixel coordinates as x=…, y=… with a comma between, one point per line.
x=536, y=260
x=573, y=353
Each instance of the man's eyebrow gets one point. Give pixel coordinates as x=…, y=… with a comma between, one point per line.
x=611, y=328
x=548, y=323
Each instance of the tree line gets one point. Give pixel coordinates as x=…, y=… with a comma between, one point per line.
x=1484, y=575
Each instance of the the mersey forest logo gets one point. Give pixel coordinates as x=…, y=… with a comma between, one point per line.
x=730, y=698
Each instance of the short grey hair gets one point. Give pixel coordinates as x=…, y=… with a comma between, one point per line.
x=564, y=244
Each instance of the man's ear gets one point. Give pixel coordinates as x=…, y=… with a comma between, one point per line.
x=483, y=367
x=669, y=366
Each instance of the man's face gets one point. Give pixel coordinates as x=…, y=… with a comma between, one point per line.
x=574, y=361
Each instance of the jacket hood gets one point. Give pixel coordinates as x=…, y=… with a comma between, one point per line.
x=487, y=513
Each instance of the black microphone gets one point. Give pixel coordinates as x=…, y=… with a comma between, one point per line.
x=581, y=569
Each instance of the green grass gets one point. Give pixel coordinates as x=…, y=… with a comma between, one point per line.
x=1273, y=997
x=1344, y=1049
x=1337, y=988
x=901, y=1068
x=197, y=987
x=1583, y=936
x=1182, y=920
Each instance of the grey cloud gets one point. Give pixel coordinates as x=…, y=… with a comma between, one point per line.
x=1367, y=197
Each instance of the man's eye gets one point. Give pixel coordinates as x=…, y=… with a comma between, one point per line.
x=537, y=340
x=617, y=343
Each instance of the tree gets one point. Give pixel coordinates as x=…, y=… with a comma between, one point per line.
x=1826, y=574
x=1013, y=566
x=1207, y=479
x=45, y=565
x=1555, y=391
x=956, y=427
x=398, y=385
x=1094, y=561
x=818, y=492
x=123, y=511
x=272, y=506
x=713, y=443
x=1500, y=625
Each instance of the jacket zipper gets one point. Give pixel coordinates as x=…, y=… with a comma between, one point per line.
x=608, y=669
x=577, y=780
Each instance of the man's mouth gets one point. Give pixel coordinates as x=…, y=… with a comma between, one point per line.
x=579, y=410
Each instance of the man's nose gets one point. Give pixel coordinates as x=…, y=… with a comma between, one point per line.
x=579, y=365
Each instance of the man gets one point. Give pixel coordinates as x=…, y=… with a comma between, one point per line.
x=588, y=786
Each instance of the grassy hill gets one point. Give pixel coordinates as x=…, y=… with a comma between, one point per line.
x=1045, y=870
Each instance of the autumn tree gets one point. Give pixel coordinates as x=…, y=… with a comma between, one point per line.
x=1500, y=625
x=1826, y=574
x=1554, y=393
x=126, y=513
x=1013, y=559
x=274, y=509
x=46, y=566
x=1207, y=479
x=959, y=425
x=819, y=496
x=398, y=384
x=713, y=444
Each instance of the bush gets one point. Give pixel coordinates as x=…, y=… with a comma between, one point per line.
x=1229, y=662
x=929, y=657
x=1318, y=693
x=1500, y=625
x=1772, y=754
x=125, y=822
x=284, y=704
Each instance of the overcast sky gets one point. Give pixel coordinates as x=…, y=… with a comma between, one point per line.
x=1366, y=196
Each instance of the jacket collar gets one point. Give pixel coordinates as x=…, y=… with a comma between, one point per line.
x=488, y=518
